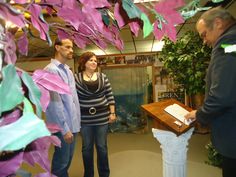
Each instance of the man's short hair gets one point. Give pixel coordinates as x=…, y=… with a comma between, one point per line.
x=217, y=12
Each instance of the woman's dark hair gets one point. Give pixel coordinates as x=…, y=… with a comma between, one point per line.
x=83, y=59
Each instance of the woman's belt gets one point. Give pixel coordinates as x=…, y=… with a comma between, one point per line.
x=93, y=110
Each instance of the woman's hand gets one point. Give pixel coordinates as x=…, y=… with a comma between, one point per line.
x=112, y=118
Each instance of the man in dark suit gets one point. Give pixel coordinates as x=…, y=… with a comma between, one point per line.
x=217, y=28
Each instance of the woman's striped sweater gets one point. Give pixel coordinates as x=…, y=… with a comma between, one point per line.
x=100, y=100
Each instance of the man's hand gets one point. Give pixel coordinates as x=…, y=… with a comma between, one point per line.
x=68, y=137
x=190, y=117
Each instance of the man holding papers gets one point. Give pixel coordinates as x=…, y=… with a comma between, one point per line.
x=217, y=28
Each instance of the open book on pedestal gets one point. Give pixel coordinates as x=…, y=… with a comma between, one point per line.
x=178, y=112
x=169, y=115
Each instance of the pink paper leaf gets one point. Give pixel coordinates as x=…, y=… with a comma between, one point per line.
x=10, y=49
x=73, y=16
x=9, y=13
x=11, y=165
x=80, y=41
x=20, y=1
x=95, y=3
x=45, y=97
x=50, y=81
x=23, y=44
x=94, y=18
x=71, y=4
x=57, y=3
x=118, y=16
x=38, y=151
x=39, y=23
x=11, y=117
x=101, y=43
x=171, y=19
x=45, y=175
x=62, y=34
x=53, y=128
x=134, y=27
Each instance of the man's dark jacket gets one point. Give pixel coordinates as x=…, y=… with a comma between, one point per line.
x=219, y=108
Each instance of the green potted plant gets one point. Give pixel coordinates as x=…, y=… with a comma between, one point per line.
x=186, y=61
x=214, y=158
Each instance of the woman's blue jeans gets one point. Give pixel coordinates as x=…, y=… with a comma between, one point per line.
x=62, y=156
x=95, y=135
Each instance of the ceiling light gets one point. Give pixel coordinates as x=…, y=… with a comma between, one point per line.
x=158, y=45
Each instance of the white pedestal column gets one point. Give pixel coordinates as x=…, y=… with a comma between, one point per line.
x=174, y=151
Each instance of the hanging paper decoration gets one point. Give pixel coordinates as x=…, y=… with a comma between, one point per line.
x=10, y=165
x=168, y=19
x=134, y=12
x=29, y=127
x=38, y=152
x=39, y=23
x=34, y=92
x=46, y=82
x=191, y=9
x=22, y=44
x=11, y=93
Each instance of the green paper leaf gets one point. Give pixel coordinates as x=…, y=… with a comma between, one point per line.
x=131, y=9
x=34, y=92
x=10, y=89
x=147, y=26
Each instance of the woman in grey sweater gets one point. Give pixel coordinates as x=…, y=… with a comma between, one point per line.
x=97, y=110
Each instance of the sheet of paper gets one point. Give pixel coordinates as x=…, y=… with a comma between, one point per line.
x=178, y=112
